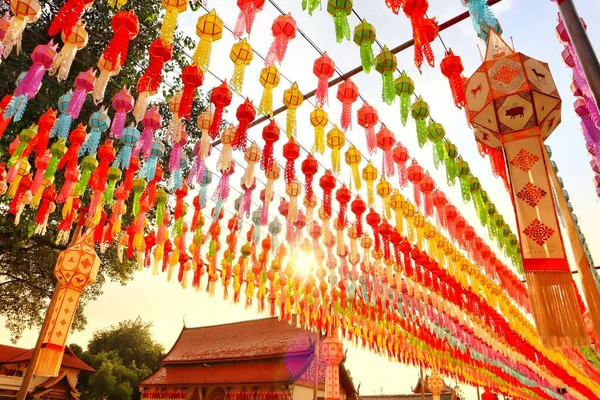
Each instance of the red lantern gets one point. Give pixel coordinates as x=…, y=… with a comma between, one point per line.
x=148, y=84
x=452, y=69
x=69, y=159
x=245, y=115
x=270, y=135
x=385, y=141
x=67, y=16
x=367, y=118
x=310, y=166
x=284, y=30
x=248, y=10
x=192, y=78
x=415, y=174
x=358, y=207
x=439, y=201
x=221, y=98
x=373, y=220
x=416, y=10
x=401, y=156
x=126, y=27
x=323, y=68
x=427, y=185
x=327, y=183
x=347, y=94
x=343, y=196
x=291, y=152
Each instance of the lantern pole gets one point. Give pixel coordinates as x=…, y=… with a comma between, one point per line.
x=478, y=396
x=422, y=385
x=317, y=351
x=22, y=394
x=582, y=45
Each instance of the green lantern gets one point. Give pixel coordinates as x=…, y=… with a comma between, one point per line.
x=420, y=111
x=311, y=5
x=405, y=87
x=138, y=187
x=450, y=162
x=114, y=174
x=386, y=64
x=161, y=201
x=88, y=165
x=57, y=150
x=476, y=194
x=436, y=134
x=464, y=173
x=340, y=10
x=364, y=36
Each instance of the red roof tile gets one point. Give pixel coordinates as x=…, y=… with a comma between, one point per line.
x=276, y=370
x=7, y=353
x=262, y=338
x=70, y=360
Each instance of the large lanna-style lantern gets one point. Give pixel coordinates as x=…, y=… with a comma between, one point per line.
x=332, y=352
x=76, y=268
x=435, y=383
x=514, y=106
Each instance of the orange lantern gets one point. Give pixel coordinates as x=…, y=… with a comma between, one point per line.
x=292, y=99
x=270, y=135
x=384, y=190
x=386, y=141
x=416, y=10
x=210, y=29
x=310, y=166
x=24, y=12
x=269, y=78
x=415, y=174
x=241, y=55
x=452, y=69
x=347, y=94
x=284, y=30
x=291, y=152
x=76, y=268
x=245, y=20
x=319, y=120
x=323, y=68
x=400, y=158
x=353, y=159
x=75, y=41
x=336, y=139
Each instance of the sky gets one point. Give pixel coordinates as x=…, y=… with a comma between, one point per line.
x=530, y=24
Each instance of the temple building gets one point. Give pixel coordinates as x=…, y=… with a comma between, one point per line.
x=253, y=360
x=14, y=362
x=420, y=391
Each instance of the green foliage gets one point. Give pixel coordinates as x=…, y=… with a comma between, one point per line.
x=76, y=349
x=122, y=355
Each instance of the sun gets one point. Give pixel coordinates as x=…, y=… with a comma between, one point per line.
x=303, y=263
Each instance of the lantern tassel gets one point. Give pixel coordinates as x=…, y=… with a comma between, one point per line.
x=101, y=84
x=290, y=122
x=346, y=120
x=336, y=164
x=319, y=145
x=389, y=89
x=141, y=105
x=342, y=26
x=277, y=50
x=201, y=57
x=367, y=57
x=311, y=5
x=92, y=140
x=61, y=66
x=266, y=102
x=322, y=93
x=371, y=139
x=169, y=23
x=237, y=81
x=14, y=36
x=405, y=107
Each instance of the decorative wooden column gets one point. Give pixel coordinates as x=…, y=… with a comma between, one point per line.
x=332, y=351
x=513, y=105
x=435, y=383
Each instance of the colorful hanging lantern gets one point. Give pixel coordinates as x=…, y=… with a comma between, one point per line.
x=384, y=190
x=405, y=87
x=420, y=111
x=151, y=122
x=415, y=174
x=192, y=78
x=368, y=118
x=84, y=84
x=416, y=10
x=241, y=54
x=210, y=29
x=436, y=134
x=353, y=159
x=293, y=190
x=482, y=18
x=151, y=167
x=284, y=30
x=336, y=139
x=203, y=148
x=547, y=269
x=129, y=139
x=386, y=63
x=63, y=107
x=42, y=58
x=221, y=97
x=107, y=70
x=311, y=5
x=426, y=186
x=323, y=68
x=76, y=137
x=327, y=183
x=99, y=122
x=270, y=135
x=364, y=36
x=319, y=120
x=68, y=17
x=159, y=52
x=369, y=175
x=452, y=69
x=386, y=141
x=245, y=20
x=400, y=154
x=272, y=176
x=450, y=162
x=122, y=103
x=24, y=12
x=291, y=152
x=269, y=78
x=347, y=94
x=252, y=156
x=4, y=26
x=76, y=40
x=310, y=166
x=292, y=99
x=245, y=115
x=173, y=9
x=40, y=142
x=340, y=10
x=225, y=161
x=126, y=27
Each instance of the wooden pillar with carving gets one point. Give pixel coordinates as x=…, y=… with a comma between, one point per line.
x=332, y=353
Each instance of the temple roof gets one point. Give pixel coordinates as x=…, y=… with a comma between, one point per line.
x=446, y=390
x=258, y=351
x=14, y=355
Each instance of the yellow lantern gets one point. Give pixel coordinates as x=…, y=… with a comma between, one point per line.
x=76, y=268
x=210, y=29
x=25, y=11
x=225, y=161
x=169, y=23
x=353, y=159
x=269, y=78
x=384, y=190
x=292, y=98
x=24, y=168
x=319, y=120
x=397, y=204
x=408, y=211
x=205, y=120
x=336, y=139
x=369, y=175
x=75, y=41
x=241, y=55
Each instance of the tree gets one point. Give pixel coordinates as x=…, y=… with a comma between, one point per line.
x=122, y=355
x=76, y=349
x=27, y=260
